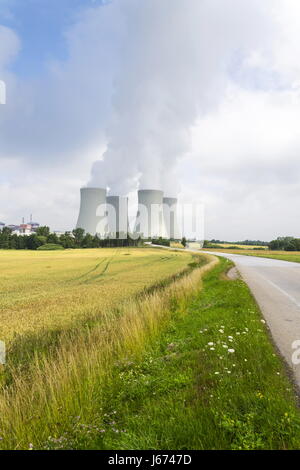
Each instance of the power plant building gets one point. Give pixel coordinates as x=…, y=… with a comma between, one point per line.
x=150, y=222
x=92, y=213
x=171, y=225
x=107, y=216
x=117, y=216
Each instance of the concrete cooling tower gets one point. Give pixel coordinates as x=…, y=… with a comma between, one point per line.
x=91, y=216
x=117, y=216
x=171, y=225
x=150, y=213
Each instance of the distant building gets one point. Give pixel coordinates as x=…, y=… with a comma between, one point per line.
x=34, y=226
x=25, y=229
x=13, y=228
x=22, y=229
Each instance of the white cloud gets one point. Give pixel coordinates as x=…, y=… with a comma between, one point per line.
x=204, y=91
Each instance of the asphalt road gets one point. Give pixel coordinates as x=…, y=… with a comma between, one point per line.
x=275, y=285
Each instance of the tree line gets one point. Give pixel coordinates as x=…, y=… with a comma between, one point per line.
x=75, y=239
x=285, y=243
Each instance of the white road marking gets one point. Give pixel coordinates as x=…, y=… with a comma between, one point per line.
x=281, y=290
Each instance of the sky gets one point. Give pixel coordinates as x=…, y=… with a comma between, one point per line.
x=198, y=98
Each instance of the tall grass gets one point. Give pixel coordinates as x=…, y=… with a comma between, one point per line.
x=67, y=383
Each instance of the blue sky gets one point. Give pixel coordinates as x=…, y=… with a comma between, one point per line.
x=40, y=24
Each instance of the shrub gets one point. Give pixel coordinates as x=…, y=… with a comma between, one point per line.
x=50, y=247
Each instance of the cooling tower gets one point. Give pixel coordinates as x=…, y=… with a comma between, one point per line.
x=171, y=218
x=92, y=211
x=117, y=216
x=150, y=213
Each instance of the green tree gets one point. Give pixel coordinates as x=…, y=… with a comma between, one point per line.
x=67, y=240
x=33, y=242
x=78, y=235
x=88, y=241
x=53, y=239
x=43, y=231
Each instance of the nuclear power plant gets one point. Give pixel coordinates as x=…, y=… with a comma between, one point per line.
x=107, y=216
x=92, y=200
x=117, y=216
x=170, y=218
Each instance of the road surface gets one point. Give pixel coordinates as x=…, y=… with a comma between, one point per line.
x=275, y=285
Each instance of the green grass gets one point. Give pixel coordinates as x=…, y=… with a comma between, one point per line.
x=282, y=255
x=153, y=374
x=181, y=394
x=294, y=257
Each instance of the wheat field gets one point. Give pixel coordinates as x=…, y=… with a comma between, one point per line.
x=48, y=290
x=67, y=317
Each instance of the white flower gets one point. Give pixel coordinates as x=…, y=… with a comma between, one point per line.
x=217, y=373
x=212, y=349
x=210, y=344
x=263, y=321
x=229, y=372
x=221, y=331
x=231, y=351
x=230, y=337
x=225, y=346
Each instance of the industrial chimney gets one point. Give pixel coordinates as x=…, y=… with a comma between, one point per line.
x=117, y=216
x=91, y=216
x=171, y=218
x=150, y=213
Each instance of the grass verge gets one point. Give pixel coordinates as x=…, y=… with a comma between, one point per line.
x=281, y=255
x=211, y=379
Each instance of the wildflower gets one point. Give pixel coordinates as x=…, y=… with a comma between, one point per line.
x=217, y=373
x=221, y=331
x=210, y=344
x=225, y=346
x=231, y=351
x=263, y=321
x=230, y=337
x=30, y=446
x=212, y=349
